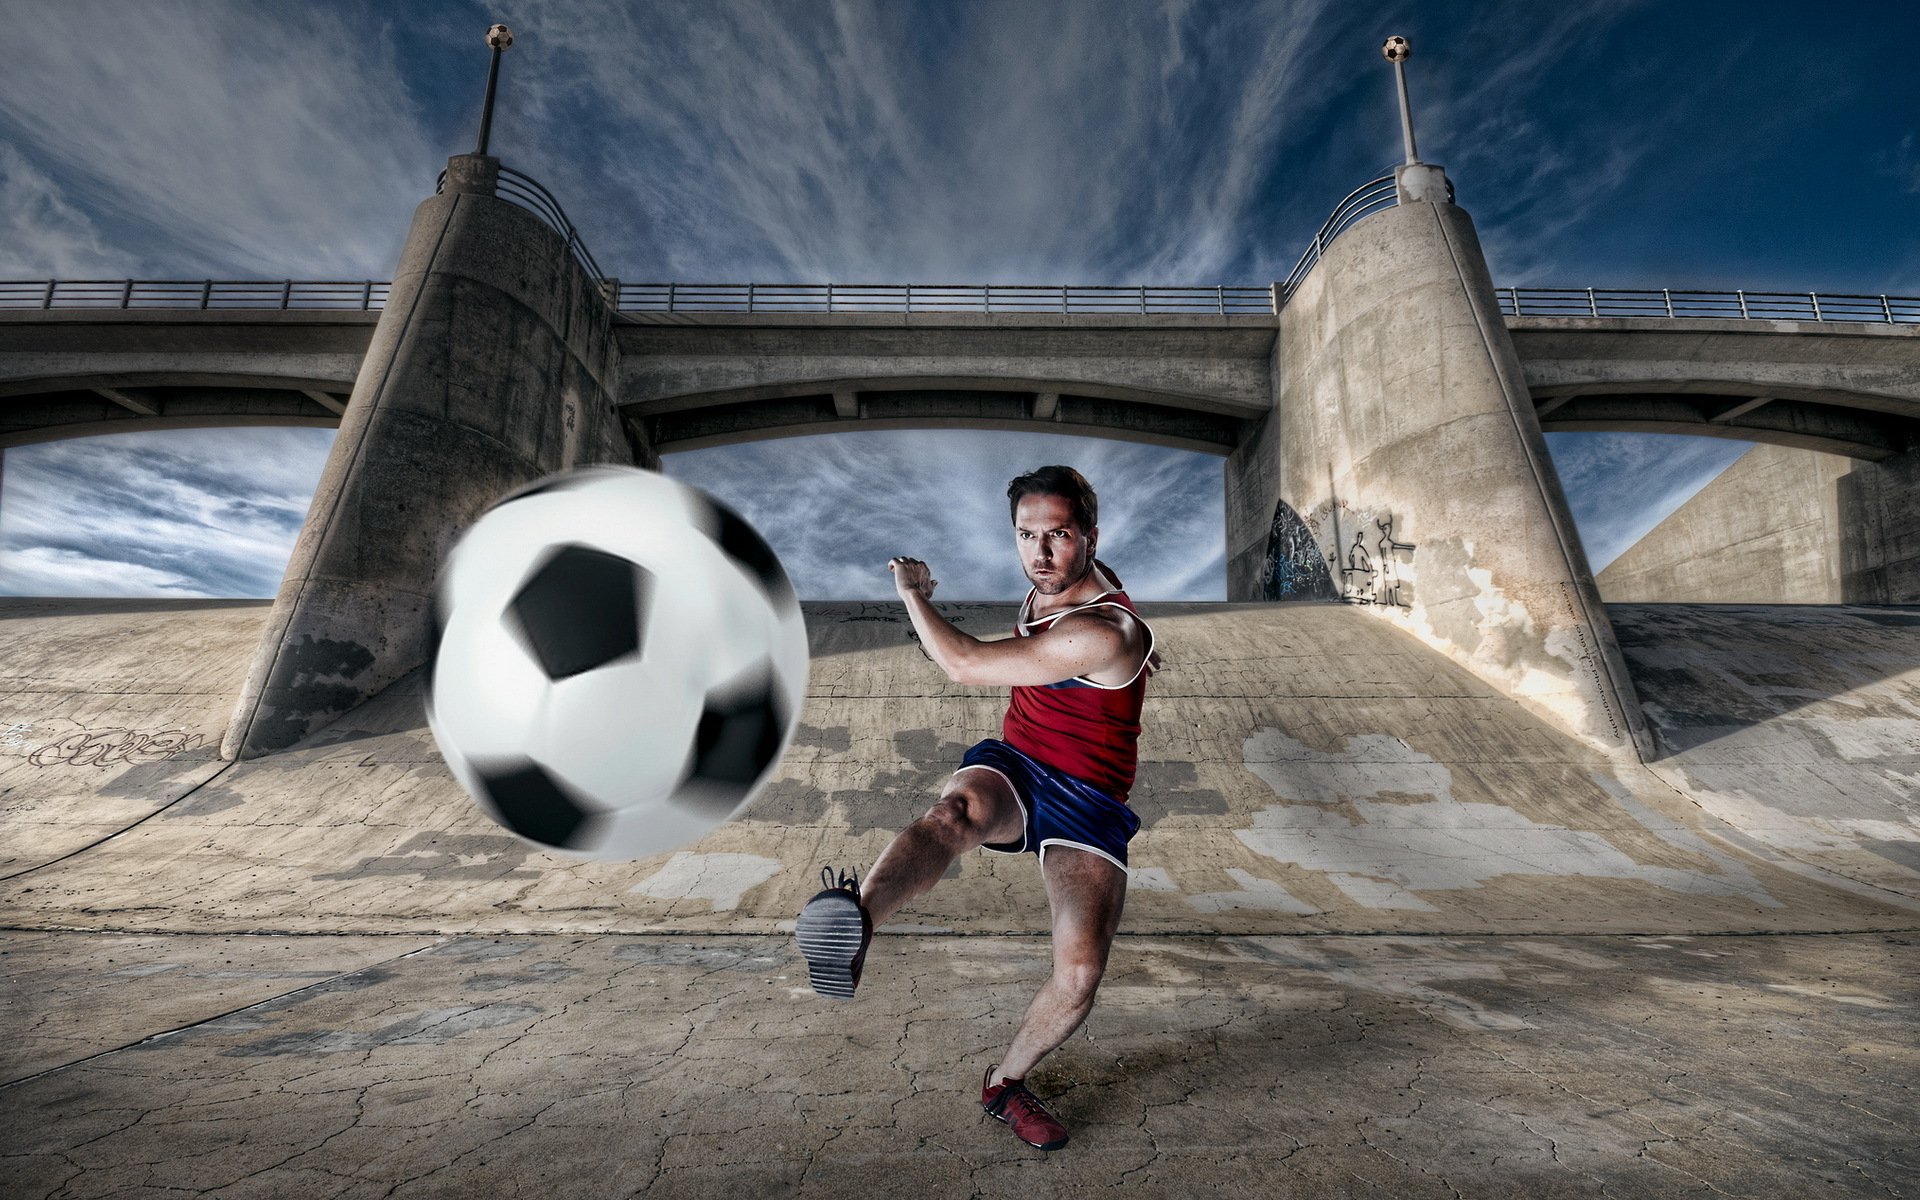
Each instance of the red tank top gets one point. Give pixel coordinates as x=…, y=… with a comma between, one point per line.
x=1085, y=729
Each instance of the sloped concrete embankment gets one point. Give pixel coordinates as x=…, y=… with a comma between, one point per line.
x=1305, y=769
x=1796, y=727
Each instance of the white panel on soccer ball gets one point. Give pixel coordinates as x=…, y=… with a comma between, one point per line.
x=487, y=691
x=616, y=734
x=493, y=560
x=743, y=624
x=655, y=829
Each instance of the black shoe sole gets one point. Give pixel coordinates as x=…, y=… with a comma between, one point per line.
x=832, y=935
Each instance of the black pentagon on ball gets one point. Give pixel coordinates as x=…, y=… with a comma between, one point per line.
x=741, y=726
x=534, y=805
x=743, y=544
x=582, y=608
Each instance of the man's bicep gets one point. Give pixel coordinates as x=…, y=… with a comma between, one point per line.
x=1077, y=645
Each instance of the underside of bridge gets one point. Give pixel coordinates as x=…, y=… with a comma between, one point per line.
x=850, y=410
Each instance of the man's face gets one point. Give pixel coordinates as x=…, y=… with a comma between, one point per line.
x=1054, y=551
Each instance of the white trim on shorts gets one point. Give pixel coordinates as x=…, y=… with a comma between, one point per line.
x=1045, y=842
x=1026, y=823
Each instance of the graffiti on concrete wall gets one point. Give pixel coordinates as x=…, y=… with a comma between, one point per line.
x=1372, y=566
x=107, y=747
x=1294, y=569
x=1374, y=576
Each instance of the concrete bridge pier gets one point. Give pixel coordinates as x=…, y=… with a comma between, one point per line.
x=493, y=364
x=1402, y=470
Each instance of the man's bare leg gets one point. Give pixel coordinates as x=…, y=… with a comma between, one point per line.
x=977, y=807
x=1086, y=893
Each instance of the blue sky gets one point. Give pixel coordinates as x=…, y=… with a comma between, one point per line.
x=1696, y=144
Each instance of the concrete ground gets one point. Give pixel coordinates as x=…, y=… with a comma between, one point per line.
x=1386, y=932
x=611, y=1065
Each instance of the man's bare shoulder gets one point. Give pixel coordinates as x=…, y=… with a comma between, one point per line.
x=1123, y=629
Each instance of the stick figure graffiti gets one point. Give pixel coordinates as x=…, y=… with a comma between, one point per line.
x=1357, y=574
x=1387, y=584
x=1376, y=574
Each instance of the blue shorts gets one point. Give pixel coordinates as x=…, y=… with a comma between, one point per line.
x=1059, y=809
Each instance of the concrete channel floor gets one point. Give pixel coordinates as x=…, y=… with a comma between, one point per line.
x=620, y=1065
x=1387, y=933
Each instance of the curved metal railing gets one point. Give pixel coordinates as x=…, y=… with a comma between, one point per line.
x=1218, y=300
x=524, y=190
x=1368, y=198
x=1736, y=305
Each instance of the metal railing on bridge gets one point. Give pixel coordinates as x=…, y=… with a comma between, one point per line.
x=525, y=191
x=1365, y=200
x=360, y=295
x=1736, y=305
x=1219, y=300
x=366, y=295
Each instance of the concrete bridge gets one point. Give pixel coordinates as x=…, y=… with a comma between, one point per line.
x=696, y=377
x=1410, y=479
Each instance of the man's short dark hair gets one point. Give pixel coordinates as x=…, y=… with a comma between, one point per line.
x=1064, y=482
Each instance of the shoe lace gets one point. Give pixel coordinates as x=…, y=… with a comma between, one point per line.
x=850, y=883
x=1023, y=1105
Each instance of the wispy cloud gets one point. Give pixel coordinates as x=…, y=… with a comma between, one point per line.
x=220, y=136
x=184, y=513
x=986, y=142
x=44, y=235
x=835, y=508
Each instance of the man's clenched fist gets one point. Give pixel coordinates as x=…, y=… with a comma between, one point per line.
x=912, y=575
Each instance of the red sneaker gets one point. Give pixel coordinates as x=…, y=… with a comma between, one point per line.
x=1012, y=1104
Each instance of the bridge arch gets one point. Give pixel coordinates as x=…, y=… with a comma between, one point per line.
x=55, y=407
x=801, y=407
x=1837, y=388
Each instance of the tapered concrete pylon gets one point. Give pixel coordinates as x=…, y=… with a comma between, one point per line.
x=493, y=364
x=1403, y=470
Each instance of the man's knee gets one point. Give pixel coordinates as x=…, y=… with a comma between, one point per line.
x=968, y=815
x=1078, y=979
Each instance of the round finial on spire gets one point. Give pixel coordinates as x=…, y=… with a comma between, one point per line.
x=1397, y=49
x=499, y=37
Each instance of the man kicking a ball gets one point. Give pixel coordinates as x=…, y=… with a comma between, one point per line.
x=1054, y=784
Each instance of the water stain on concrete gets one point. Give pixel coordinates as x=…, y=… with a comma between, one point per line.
x=1167, y=789
x=677, y=952
x=447, y=856
x=434, y=1027
x=476, y=950
x=720, y=879
x=838, y=739
x=532, y=975
x=1379, y=850
x=894, y=800
x=205, y=802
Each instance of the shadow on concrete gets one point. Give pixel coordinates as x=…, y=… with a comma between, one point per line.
x=16, y=607
x=1710, y=672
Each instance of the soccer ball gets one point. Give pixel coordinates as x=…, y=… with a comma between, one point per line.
x=619, y=662
x=1397, y=49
